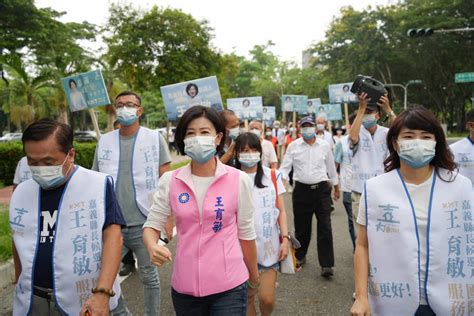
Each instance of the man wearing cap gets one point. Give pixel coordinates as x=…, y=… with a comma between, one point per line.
x=463, y=150
x=368, y=144
x=314, y=175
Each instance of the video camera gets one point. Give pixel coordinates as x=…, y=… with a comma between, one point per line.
x=374, y=89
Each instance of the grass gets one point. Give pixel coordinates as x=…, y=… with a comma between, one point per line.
x=5, y=236
x=177, y=165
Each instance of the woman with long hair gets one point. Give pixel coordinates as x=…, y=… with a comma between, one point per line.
x=414, y=252
x=271, y=224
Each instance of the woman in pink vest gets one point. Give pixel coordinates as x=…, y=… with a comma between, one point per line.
x=212, y=203
x=271, y=224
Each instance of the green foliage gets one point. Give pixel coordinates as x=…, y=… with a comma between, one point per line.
x=158, y=47
x=12, y=152
x=5, y=235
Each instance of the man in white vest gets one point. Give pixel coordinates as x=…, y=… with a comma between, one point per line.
x=135, y=157
x=22, y=172
x=368, y=144
x=463, y=150
x=66, y=230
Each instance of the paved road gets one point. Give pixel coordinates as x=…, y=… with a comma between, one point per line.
x=305, y=293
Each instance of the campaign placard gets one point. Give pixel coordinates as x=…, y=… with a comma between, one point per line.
x=341, y=93
x=85, y=90
x=269, y=114
x=181, y=96
x=312, y=106
x=248, y=108
x=294, y=103
x=331, y=112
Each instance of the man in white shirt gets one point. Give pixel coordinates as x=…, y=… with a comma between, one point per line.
x=269, y=157
x=314, y=175
x=463, y=150
x=368, y=142
x=322, y=133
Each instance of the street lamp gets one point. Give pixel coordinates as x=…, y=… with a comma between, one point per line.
x=405, y=89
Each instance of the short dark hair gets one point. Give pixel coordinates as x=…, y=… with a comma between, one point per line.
x=225, y=114
x=419, y=117
x=44, y=128
x=193, y=113
x=192, y=85
x=124, y=93
x=470, y=116
x=251, y=140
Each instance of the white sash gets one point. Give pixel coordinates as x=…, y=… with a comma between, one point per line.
x=145, y=163
x=346, y=165
x=463, y=151
x=394, y=274
x=77, y=248
x=266, y=221
x=24, y=170
x=367, y=162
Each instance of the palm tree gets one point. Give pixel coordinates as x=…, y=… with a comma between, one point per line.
x=25, y=98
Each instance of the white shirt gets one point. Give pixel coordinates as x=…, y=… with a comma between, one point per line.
x=311, y=163
x=268, y=153
x=420, y=197
x=160, y=209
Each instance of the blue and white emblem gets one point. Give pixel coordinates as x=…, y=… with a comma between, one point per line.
x=183, y=198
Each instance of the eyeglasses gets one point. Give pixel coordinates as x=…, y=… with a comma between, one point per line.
x=127, y=104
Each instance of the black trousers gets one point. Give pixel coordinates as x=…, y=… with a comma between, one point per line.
x=309, y=200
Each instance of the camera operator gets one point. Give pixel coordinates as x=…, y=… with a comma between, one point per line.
x=368, y=143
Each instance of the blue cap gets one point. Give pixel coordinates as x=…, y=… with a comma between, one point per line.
x=306, y=120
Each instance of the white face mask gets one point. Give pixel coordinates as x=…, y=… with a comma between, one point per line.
x=200, y=148
x=49, y=177
x=320, y=127
x=127, y=115
x=256, y=132
x=249, y=160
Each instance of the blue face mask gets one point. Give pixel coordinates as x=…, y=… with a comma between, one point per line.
x=249, y=160
x=49, y=177
x=369, y=120
x=127, y=115
x=308, y=133
x=234, y=133
x=416, y=153
x=200, y=148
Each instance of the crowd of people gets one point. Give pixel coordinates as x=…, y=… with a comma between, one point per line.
x=409, y=192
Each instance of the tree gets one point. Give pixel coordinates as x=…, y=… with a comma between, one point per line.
x=159, y=47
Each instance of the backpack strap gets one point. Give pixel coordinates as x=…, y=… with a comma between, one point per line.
x=274, y=180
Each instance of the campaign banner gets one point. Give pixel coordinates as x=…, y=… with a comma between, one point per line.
x=341, y=93
x=269, y=114
x=312, y=106
x=181, y=96
x=331, y=112
x=294, y=103
x=247, y=108
x=85, y=90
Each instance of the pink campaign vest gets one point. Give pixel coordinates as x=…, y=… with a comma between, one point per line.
x=209, y=258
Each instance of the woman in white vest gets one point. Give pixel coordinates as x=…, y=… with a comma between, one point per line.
x=414, y=253
x=271, y=223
